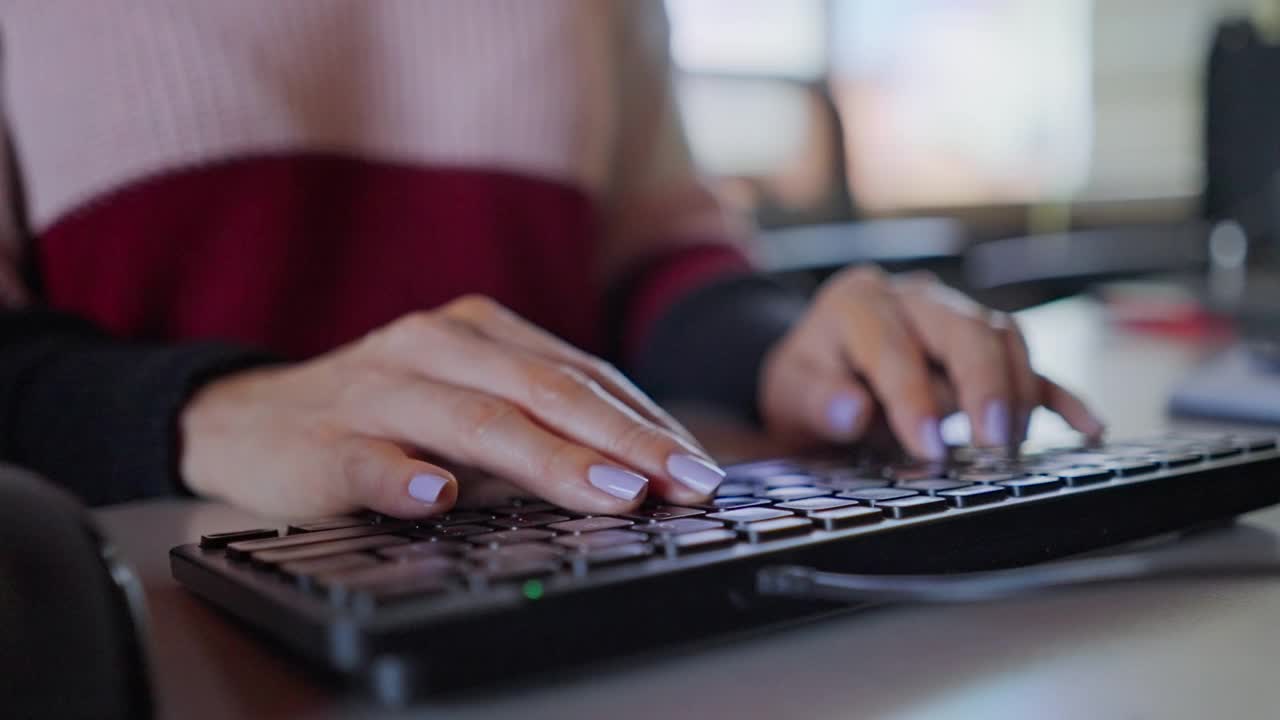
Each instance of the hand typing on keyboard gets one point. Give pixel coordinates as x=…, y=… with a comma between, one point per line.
x=867, y=350
x=471, y=384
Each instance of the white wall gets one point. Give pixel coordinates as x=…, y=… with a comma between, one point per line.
x=1149, y=58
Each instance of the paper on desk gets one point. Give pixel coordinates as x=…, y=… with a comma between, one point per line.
x=1231, y=386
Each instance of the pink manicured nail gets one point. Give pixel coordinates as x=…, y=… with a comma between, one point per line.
x=427, y=487
x=695, y=472
x=616, y=481
x=842, y=414
x=997, y=423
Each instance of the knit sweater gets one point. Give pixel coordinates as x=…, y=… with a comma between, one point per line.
x=187, y=180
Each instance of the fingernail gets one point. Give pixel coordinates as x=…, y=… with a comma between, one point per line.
x=931, y=440
x=616, y=481
x=997, y=423
x=695, y=472
x=842, y=413
x=427, y=487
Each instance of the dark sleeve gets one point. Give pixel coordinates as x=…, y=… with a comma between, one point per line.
x=95, y=414
x=707, y=348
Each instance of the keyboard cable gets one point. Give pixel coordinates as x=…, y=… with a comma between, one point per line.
x=1173, y=562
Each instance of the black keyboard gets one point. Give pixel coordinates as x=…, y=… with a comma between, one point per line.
x=482, y=595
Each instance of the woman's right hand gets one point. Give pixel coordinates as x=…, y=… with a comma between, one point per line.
x=469, y=384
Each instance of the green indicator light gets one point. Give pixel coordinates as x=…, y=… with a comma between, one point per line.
x=533, y=589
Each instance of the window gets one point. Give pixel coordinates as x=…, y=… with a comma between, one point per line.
x=947, y=103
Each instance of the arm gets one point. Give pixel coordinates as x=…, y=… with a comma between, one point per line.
x=698, y=326
x=96, y=414
x=691, y=318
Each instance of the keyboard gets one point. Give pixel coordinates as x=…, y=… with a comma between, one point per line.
x=482, y=595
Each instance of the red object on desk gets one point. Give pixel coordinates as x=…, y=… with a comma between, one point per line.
x=1164, y=309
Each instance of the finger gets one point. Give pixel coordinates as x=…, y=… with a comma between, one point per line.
x=1023, y=379
x=957, y=334
x=494, y=435
x=810, y=400
x=501, y=325
x=1071, y=408
x=572, y=405
x=877, y=340
x=382, y=477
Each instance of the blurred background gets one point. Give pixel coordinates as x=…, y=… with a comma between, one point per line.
x=1024, y=149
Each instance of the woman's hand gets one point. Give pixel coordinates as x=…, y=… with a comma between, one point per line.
x=910, y=350
x=469, y=384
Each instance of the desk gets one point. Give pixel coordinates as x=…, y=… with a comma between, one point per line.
x=1183, y=650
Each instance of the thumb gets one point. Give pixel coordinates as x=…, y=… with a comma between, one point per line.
x=382, y=477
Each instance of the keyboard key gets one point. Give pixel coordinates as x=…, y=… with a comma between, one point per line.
x=912, y=506
x=590, y=524
x=327, y=524
x=845, y=484
x=1042, y=467
x=303, y=571
x=602, y=539
x=457, y=531
x=1085, y=458
x=806, y=506
x=515, y=522
x=773, y=529
x=1129, y=467
x=318, y=550
x=584, y=562
x=735, y=489
x=525, y=508
x=846, y=517
x=680, y=526
x=217, y=541
x=792, y=480
x=366, y=600
x=795, y=493
x=988, y=477
x=874, y=496
x=974, y=495
x=462, y=517
x=543, y=552
x=932, y=486
x=389, y=582
x=697, y=542
x=662, y=512
x=764, y=468
x=1130, y=450
x=982, y=456
x=243, y=548
x=511, y=537
x=729, y=503
x=1085, y=475
x=506, y=570
x=423, y=549
x=381, y=573
x=1024, y=487
x=916, y=471
x=1215, y=451
x=742, y=516
x=1253, y=443
x=1176, y=459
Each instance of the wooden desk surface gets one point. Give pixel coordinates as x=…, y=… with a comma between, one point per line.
x=1186, y=650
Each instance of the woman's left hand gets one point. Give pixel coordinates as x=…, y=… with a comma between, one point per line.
x=911, y=350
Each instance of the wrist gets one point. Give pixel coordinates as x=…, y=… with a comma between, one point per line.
x=210, y=414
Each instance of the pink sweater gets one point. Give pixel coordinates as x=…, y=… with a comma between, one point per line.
x=294, y=173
